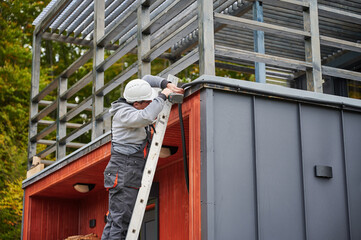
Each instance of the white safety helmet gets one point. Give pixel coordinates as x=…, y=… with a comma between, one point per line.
x=139, y=90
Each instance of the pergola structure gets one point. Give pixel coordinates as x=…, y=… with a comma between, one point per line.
x=298, y=43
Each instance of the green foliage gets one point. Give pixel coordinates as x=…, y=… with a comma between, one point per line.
x=14, y=95
x=11, y=206
x=16, y=30
x=16, y=33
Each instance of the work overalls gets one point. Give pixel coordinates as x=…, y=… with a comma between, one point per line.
x=122, y=178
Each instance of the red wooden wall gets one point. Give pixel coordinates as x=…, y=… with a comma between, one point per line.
x=173, y=202
x=53, y=218
x=54, y=210
x=93, y=207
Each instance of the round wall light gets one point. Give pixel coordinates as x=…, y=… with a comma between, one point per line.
x=83, y=187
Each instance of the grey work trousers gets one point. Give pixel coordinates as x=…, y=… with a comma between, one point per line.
x=122, y=178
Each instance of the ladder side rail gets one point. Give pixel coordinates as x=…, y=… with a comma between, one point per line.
x=149, y=170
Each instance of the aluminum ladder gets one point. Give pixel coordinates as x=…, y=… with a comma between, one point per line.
x=149, y=170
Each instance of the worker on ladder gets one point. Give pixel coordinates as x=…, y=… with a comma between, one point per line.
x=133, y=117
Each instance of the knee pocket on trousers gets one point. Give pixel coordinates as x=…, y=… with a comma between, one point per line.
x=111, y=178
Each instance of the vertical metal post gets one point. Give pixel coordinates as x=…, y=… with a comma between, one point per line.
x=206, y=37
x=143, y=15
x=35, y=77
x=312, y=48
x=98, y=77
x=61, y=126
x=260, y=68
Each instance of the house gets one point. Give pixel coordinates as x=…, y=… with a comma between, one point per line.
x=264, y=161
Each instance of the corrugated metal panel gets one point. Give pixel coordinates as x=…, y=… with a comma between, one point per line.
x=39, y=18
x=64, y=16
x=76, y=19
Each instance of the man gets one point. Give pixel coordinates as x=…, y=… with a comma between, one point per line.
x=132, y=118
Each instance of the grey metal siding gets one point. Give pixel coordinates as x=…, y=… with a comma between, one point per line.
x=326, y=209
x=233, y=155
x=263, y=152
x=352, y=133
x=278, y=164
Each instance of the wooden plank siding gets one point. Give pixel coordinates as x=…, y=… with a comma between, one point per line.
x=52, y=218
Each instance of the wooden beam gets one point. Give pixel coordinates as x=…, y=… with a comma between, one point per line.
x=77, y=41
x=35, y=79
x=206, y=37
x=250, y=70
x=47, y=151
x=68, y=125
x=259, y=26
x=312, y=48
x=341, y=73
x=84, y=105
x=143, y=17
x=171, y=39
x=288, y=4
x=77, y=86
x=76, y=133
x=104, y=115
x=119, y=53
x=69, y=105
x=65, y=74
x=181, y=64
x=61, y=126
x=268, y=59
x=71, y=144
x=46, y=131
x=98, y=76
x=45, y=111
x=342, y=44
x=119, y=79
x=34, y=170
x=218, y=6
x=50, y=87
x=339, y=14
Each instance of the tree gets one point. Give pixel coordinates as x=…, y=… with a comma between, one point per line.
x=16, y=30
